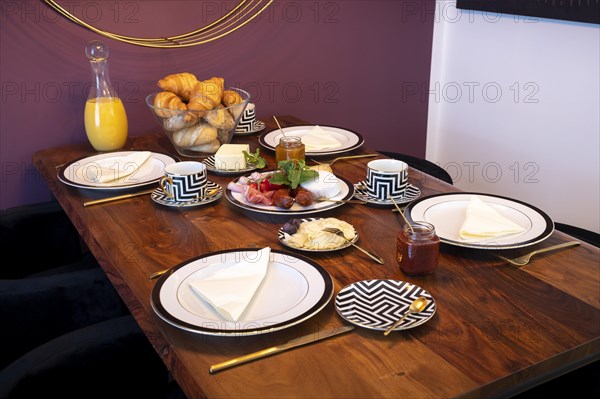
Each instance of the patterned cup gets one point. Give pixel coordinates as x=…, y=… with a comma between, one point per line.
x=248, y=120
x=184, y=181
x=387, y=178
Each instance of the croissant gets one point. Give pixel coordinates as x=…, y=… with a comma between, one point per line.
x=181, y=84
x=200, y=104
x=231, y=97
x=212, y=89
x=196, y=135
x=164, y=101
x=220, y=118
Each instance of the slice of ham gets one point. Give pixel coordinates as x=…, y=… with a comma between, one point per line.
x=256, y=197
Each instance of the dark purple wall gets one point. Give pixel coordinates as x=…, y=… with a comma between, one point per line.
x=354, y=64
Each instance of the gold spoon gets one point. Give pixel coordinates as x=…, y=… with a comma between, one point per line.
x=415, y=307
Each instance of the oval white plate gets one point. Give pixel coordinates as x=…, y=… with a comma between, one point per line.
x=447, y=213
x=348, y=139
x=151, y=171
x=346, y=192
x=295, y=288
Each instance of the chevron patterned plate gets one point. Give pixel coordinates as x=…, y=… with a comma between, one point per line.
x=376, y=304
x=412, y=193
x=161, y=198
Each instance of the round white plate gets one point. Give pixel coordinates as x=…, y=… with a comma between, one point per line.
x=412, y=193
x=281, y=236
x=74, y=173
x=348, y=139
x=161, y=198
x=294, y=289
x=377, y=304
x=258, y=127
x=447, y=213
x=210, y=165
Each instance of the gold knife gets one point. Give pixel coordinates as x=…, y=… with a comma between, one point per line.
x=117, y=198
x=306, y=339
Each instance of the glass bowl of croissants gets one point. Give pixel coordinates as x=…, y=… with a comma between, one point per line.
x=198, y=116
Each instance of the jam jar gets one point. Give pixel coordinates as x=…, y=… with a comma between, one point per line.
x=289, y=147
x=418, y=249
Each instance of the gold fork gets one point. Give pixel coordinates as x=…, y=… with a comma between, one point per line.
x=523, y=260
x=348, y=157
x=340, y=233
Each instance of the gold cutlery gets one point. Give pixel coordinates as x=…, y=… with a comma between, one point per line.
x=348, y=157
x=117, y=198
x=415, y=307
x=340, y=233
x=306, y=339
x=157, y=274
x=523, y=260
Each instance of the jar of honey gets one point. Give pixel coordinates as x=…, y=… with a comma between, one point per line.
x=289, y=147
x=418, y=249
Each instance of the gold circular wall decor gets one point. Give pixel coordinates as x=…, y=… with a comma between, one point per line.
x=244, y=12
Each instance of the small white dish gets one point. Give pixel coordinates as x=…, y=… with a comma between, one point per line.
x=360, y=193
x=281, y=237
x=161, y=198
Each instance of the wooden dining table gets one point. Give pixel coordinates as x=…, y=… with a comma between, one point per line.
x=497, y=330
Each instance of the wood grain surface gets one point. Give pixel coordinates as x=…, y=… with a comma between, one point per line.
x=497, y=331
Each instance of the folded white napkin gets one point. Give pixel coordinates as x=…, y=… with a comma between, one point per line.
x=319, y=139
x=115, y=168
x=230, y=287
x=482, y=221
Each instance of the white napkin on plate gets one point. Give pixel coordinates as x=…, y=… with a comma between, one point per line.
x=115, y=168
x=232, y=285
x=483, y=221
x=319, y=139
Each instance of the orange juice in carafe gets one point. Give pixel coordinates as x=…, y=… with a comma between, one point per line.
x=104, y=116
x=105, y=123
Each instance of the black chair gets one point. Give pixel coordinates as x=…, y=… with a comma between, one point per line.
x=53, y=286
x=110, y=359
x=582, y=234
x=421, y=164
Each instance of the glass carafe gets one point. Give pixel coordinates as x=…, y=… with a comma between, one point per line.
x=104, y=116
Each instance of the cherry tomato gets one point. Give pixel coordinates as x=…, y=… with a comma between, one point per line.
x=265, y=186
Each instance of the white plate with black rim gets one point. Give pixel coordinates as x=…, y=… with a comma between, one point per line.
x=361, y=193
x=76, y=173
x=346, y=192
x=294, y=289
x=210, y=165
x=348, y=139
x=377, y=304
x=447, y=213
x=258, y=126
x=346, y=243
x=161, y=198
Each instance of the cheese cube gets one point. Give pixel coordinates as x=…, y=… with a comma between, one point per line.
x=231, y=157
